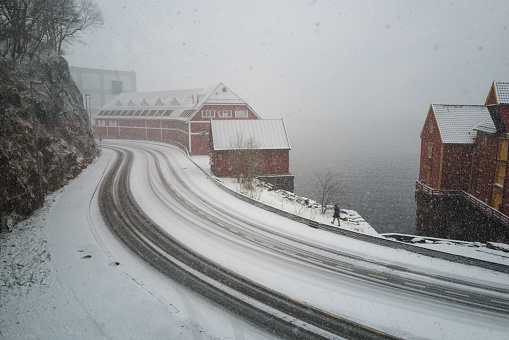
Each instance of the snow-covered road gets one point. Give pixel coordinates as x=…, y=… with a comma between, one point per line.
x=94, y=297
x=335, y=292
x=60, y=280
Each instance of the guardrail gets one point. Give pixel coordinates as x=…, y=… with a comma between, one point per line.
x=419, y=185
x=475, y=202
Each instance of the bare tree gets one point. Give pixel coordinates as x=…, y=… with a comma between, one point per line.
x=20, y=28
x=244, y=154
x=65, y=19
x=29, y=26
x=329, y=186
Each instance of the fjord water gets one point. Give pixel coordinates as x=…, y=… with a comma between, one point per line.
x=378, y=176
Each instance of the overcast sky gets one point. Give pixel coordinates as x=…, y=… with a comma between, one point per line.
x=344, y=69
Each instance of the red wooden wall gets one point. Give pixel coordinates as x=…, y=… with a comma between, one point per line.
x=456, y=162
x=173, y=130
x=430, y=135
x=271, y=162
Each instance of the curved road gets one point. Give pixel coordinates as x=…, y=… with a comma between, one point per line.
x=165, y=209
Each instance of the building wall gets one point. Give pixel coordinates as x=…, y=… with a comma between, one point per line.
x=100, y=84
x=456, y=165
x=454, y=218
x=172, y=130
x=483, y=170
x=194, y=134
x=271, y=162
x=483, y=174
x=430, y=164
x=200, y=126
x=504, y=114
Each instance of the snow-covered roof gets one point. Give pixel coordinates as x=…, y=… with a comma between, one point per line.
x=502, y=91
x=172, y=104
x=266, y=133
x=487, y=126
x=456, y=123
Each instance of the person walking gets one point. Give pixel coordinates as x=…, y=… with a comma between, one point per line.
x=336, y=214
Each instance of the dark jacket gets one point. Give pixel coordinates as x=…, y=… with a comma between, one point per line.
x=336, y=211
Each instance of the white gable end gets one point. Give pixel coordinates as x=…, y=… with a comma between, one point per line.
x=223, y=94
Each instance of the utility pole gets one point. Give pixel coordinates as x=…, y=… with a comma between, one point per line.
x=87, y=107
x=32, y=83
x=88, y=96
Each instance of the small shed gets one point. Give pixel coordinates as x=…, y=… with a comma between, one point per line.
x=257, y=146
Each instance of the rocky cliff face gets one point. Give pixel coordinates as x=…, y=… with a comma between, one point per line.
x=45, y=137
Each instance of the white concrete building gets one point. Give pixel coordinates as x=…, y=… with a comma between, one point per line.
x=102, y=85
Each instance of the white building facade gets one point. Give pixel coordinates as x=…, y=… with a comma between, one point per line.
x=99, y=86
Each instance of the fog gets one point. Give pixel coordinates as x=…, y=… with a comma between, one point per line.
x=374, y=67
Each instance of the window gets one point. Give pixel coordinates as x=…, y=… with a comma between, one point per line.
x=240, y=113
x=113, y=123
x=208, y=113
x=116, y=86
x=485, y=142
x=430, y=150
x=430, y=126
x=502, y=149
x=100, y=122
x=481, y=165
x=225, y=114
x=478, y=186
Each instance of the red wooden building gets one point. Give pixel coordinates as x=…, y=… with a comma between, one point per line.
x=180, y=116
x=447, y=143
x=267, y=138
x=464, y=152
x=489, y=181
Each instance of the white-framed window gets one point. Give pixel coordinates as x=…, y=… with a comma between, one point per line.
x=101, y=122
x=113, y=123
x=240, y=113
x=208, y=113
x=225, y=114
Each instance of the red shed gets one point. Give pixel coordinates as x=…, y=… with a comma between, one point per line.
x=266, y=137
x=180, y=116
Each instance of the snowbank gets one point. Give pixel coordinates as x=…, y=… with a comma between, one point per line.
x=351, y=220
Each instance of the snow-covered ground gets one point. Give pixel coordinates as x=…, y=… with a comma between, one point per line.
x=64, y=275
x=351, y=220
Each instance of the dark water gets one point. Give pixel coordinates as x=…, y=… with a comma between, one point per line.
x=379, y=178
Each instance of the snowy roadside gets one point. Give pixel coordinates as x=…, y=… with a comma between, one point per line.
x=21, y=272
x=64, y=275
x=351, y=220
